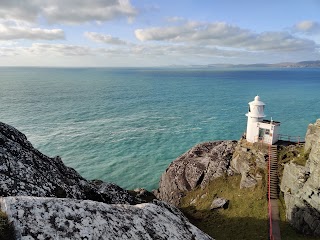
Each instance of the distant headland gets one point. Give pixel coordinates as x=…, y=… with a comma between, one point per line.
x=302, y=64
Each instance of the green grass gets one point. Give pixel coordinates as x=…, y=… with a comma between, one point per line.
x=245, y=218
x=6, y=229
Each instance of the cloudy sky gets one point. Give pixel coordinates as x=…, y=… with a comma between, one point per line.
x=157, y=32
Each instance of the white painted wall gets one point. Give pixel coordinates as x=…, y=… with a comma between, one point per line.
x=255, y=115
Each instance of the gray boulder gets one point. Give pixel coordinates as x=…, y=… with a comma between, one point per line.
x=219, y=203
x=51, y=218
x=197, y=167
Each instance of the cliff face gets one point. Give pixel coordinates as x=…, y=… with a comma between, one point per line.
x=301, y=186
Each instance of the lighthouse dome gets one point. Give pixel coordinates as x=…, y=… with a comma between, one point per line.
x=256, y=108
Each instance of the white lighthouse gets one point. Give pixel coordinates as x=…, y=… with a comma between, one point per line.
x=259, y=129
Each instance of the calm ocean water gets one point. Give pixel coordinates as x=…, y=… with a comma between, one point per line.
x=126, y=125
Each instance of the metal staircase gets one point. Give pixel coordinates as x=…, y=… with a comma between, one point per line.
x=274, y=180
x=273, y=194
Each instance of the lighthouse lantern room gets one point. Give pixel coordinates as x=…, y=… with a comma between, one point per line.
x=259, y=129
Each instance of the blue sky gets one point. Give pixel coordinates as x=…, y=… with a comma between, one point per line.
x=108, y=33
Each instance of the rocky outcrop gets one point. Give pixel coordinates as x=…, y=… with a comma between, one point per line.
x=51, y=218
x=301, y=186
x=248, y=159
x=208, y=161
x=24, y=171
x=198, y=166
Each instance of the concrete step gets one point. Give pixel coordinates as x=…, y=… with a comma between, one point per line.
x=274, y=194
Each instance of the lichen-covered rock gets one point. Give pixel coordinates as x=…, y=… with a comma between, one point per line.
x=26, y=171
x=51, y=218
x=301, y=187
x=198, y=166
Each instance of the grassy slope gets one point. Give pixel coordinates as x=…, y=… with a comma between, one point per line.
x=245, y=218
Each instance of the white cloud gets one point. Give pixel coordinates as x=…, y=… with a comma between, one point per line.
x=17, y=32
x=307, y=27
x=20, y=10
x=174, y=33
x=221, y=34
x=60, y=50
x=66, y=11
x=103, y=38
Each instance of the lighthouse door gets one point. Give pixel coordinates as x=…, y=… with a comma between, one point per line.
x=261, y=133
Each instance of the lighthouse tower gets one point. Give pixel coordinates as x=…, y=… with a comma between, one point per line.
x=255, y=115
x=259, y=129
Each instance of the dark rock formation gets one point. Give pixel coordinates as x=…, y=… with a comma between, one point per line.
x=51, y=218
x=301, y=187
x=113, y=193
x=24, y=171
x=198, y=166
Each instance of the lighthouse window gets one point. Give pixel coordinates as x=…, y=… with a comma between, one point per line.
x=249, y=109
x=267, y=132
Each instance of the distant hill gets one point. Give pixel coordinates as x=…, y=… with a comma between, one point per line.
x=303, y=64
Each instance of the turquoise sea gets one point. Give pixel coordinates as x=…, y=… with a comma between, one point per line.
x=125, y=125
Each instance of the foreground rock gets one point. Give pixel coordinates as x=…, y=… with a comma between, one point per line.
x=51, y=218
x=301, y=186
x=26, y=171
x=198, y=166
